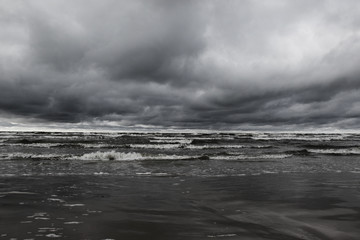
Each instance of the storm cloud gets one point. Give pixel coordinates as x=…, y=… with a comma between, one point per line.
x=181, y=64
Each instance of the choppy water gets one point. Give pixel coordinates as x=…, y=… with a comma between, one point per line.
x=176, y=154
x=179, y=185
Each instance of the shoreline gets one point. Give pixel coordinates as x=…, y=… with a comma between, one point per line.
x=271, y=206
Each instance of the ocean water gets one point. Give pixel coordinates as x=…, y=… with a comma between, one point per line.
x=179, y=185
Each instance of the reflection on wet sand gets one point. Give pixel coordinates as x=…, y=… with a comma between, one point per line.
x=269, y=206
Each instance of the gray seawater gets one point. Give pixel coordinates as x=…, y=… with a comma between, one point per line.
x=179, y=185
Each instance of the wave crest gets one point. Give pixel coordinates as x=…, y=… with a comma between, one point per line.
x=127, y=156
x=111, y=155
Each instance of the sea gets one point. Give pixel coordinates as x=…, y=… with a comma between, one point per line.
x=179, y=185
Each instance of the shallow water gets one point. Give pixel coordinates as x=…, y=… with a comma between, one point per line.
x=272, y=206
x=196, y=186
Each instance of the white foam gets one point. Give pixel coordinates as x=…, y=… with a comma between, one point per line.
x=17, y=193
x=26, y=222
x=208, y=146
x=222, y=235
x=50, y=229
x=42, y=218
x=52, y=235
x=186, y=146
x=260, y=146
x=143, y=173
x=155, y=146
x=128, y=156
x=97, y=145
x=269, y=172
x=244, y=157
x=34, y=145
x=158, y=174
x=161, y=174
x=111, y=155
x=347, y=151
x=11, y=156
x=74, y=205
x=7, y=175
x=295, y=136
x=41, y=145
x=55, y=200
x=171, y=140
x=101, y=173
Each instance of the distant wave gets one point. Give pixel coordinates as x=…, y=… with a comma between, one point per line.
x=155, y=146
x=252, y=157
x=299, y=137
x=213, y=146
x=170, y=140
x=337, y=151
x=329, y=146
x=32, y=156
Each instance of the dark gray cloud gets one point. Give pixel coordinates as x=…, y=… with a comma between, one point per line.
x=186, y=64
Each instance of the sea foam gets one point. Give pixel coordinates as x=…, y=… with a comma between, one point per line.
x=341, y=151
x=111, y=155
x=127, y=156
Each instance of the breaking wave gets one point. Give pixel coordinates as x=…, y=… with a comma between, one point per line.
x=127, y=156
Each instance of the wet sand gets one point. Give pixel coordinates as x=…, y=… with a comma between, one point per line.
x=287, y=206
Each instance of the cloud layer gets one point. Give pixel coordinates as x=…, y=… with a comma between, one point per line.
x=187, y=64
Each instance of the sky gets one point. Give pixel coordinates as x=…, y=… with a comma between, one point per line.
x=188, y=64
